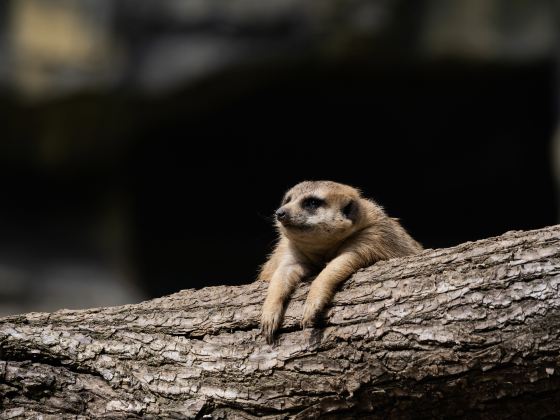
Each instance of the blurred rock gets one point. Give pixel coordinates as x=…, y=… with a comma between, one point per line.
x=491, y=30
x=63, y=284
x=60, y=46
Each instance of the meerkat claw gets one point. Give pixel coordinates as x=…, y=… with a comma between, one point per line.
x=269, y=325
x=309, y=317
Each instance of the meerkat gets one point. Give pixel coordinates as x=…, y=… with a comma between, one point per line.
x=327, y=230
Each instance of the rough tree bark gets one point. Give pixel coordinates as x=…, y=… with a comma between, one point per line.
x=469, y=331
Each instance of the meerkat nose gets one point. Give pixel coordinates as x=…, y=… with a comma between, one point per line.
x=281, y=214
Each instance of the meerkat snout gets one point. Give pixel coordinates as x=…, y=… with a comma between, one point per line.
x=281, y=214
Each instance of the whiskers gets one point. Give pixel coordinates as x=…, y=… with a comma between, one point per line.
x=270, y=219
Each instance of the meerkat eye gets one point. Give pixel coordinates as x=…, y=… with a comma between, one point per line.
x=287, y=200
x=311, y=203
x=348, y=209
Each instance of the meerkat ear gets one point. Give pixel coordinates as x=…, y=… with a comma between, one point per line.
x=350, y=210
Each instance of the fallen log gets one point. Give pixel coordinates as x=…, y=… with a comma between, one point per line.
x=469, y=331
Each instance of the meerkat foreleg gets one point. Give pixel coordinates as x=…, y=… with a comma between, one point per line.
x=284, y=280
x=324, y=286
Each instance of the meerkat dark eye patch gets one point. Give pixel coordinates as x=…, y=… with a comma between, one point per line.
x=312, y=203
x=349, y=210
x=287, y=200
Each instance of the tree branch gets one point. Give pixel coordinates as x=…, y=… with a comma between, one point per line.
x=466, y=331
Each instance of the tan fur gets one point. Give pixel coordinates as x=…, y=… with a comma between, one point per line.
x=324, y=241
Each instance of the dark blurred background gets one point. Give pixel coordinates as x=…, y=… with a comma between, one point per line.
x=144, y=145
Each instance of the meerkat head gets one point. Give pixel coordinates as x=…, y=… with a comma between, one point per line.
x=319, y=212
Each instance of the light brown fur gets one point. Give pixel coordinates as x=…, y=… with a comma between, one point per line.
x=332, y=240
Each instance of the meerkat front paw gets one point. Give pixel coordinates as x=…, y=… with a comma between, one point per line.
x=271, y=320
x=314, y=306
